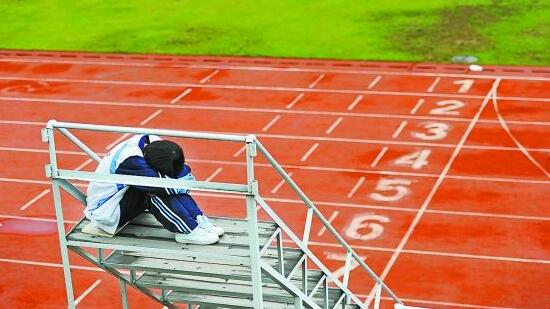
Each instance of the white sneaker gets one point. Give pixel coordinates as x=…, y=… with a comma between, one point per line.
x=198, y=236
x=91, y=229
x=205, y=223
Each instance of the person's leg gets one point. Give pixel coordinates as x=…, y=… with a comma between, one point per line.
x=133, y=203
x=171, y=213
x=187, y=202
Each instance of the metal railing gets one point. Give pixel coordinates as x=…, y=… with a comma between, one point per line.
x=302, y=295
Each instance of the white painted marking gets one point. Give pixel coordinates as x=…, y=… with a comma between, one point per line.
x=432, y=86
x=434, y=253
x=374, y=82
x=87, y=291
x=379, y=156
x=309, y=152
x=250, y=110
x=36, y=198
x=151, y=117
x=338, y=273
x=35, y=263
x=238, y=153
x=268, y=69
x=434, y=189
x=399, y=129
x=84, y=164
x=272, y=88
x=36, y=219
x=438, y=131
x=447, y=107
x=181, y=96
x=207, y=78
x=271, y=123
x=214, y=174
x=364, y=222
x=118, y=140
x=296, y=99
x=323, y=228
x=280, y=184
x=516, y=141
x=416, y=160
x=356, y=186
x=400, y=187
x=448, y=304
x=334, y=125
x=465, y=85
x=315, y=82
x=355, y=102
x=417, y=106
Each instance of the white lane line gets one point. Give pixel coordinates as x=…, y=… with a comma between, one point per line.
x=36, y=219
x=252, y=110
x=417, y=106
x=379, y=157
x=315, y=82
x=238, y=153
x=296, y=99
x=216, y=172
x=356, y=186
x=207, y=78
x=268, y=69
x=516, y=141
x=445, y=304
x=280, y=184
x=432, y=86
x=87, y=291
x=118, y=140
x=263, y=88
x=330, y=219
x=83, y=165
x=374, y=82
x=151, y=117
x=399, y=129
x=334, y=125
x=436, y=186
x=183, y=94
x=271, y=123
x=309, y=152
x=45, y=264
x=355, y=102
x=436, y=253
x=36, y=198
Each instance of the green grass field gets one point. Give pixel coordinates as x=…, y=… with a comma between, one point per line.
x=497, y=32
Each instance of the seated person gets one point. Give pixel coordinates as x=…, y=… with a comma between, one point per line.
x=111, y=206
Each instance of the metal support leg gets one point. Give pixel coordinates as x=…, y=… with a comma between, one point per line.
x=298, y=303
x=377, y=296
x=254, y=252
x=63, y=245
x=123, y=294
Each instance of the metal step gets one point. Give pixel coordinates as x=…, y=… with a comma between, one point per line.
x=221, y=293
x=208, y=267
x=146, y=235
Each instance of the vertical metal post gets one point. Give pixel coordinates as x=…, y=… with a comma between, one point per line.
x=377, y=295
x=257, y=297
x=123, y=294
x=298, y=303
x=51, y=171
x=325, y=293
x=280, y=253
x=304, y=276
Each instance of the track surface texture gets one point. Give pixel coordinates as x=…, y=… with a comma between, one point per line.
x=438, y=176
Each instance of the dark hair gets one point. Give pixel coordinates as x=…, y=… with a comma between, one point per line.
x=165, y=156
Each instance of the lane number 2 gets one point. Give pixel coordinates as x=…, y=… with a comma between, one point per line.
x=448, y=108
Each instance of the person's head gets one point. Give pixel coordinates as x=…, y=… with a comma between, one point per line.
x=165, y=156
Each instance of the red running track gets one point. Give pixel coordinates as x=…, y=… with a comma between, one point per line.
x=469, y=151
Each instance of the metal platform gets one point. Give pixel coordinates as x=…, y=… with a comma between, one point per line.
x=248, y=268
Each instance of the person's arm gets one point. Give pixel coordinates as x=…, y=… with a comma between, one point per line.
x=137, y=166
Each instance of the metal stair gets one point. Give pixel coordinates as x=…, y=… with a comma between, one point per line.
x=248, y=268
